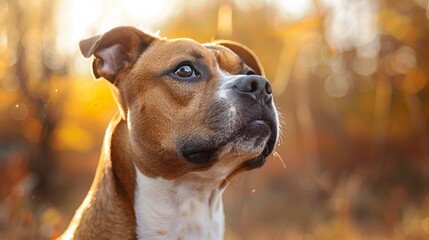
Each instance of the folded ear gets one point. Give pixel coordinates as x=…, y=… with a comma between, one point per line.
x=247, y=55
x=115, y=51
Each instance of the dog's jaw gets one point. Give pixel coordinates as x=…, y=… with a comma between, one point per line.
x=179, y=209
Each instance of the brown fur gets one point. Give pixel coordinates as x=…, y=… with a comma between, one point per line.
x=107, y=211
x=152, y=107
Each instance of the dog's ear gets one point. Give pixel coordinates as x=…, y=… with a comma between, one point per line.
x=115, y=51
x=247, y=55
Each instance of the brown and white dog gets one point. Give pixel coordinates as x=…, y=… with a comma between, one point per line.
x=190, y=117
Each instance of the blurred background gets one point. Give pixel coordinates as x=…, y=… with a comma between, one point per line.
x=350, y=78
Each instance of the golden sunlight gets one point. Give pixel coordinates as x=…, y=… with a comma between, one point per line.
x=79, y=19
x=293, y=10
x=224, y=26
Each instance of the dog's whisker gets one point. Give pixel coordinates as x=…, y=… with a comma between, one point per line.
x=277, y=155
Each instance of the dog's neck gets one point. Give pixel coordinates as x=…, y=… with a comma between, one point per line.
x=188, y=207
x=130, y=204
x=178, y=210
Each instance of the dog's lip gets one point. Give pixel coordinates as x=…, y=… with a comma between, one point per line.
x=258, y=126
x=258, y=122
x=266, y=126
x=198, y=154
x=268, y=148
x=205, y=152
x=259, y=160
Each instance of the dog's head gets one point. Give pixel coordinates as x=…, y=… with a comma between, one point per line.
x=189, y=107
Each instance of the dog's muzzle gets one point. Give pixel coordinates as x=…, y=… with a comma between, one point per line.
x=260, y=91
x=254, y=124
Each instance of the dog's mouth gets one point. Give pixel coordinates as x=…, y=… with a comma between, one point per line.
x=258, y=137
x=268, y=147
x=199, y=154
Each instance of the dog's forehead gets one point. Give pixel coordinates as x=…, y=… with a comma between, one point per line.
x=227, y=60
x=184, y=48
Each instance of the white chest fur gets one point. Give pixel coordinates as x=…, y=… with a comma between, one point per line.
x=171, y=210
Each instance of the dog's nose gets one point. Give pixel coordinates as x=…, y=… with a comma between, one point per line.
x=256, y=86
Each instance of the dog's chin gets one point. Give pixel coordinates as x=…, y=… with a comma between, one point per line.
x=252, y=144
x=257, y=143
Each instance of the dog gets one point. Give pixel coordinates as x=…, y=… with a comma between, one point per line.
x=191, y=116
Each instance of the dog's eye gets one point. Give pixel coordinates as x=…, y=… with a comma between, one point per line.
x=186, y=71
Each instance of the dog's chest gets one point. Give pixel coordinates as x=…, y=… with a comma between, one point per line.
x=165, y=210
